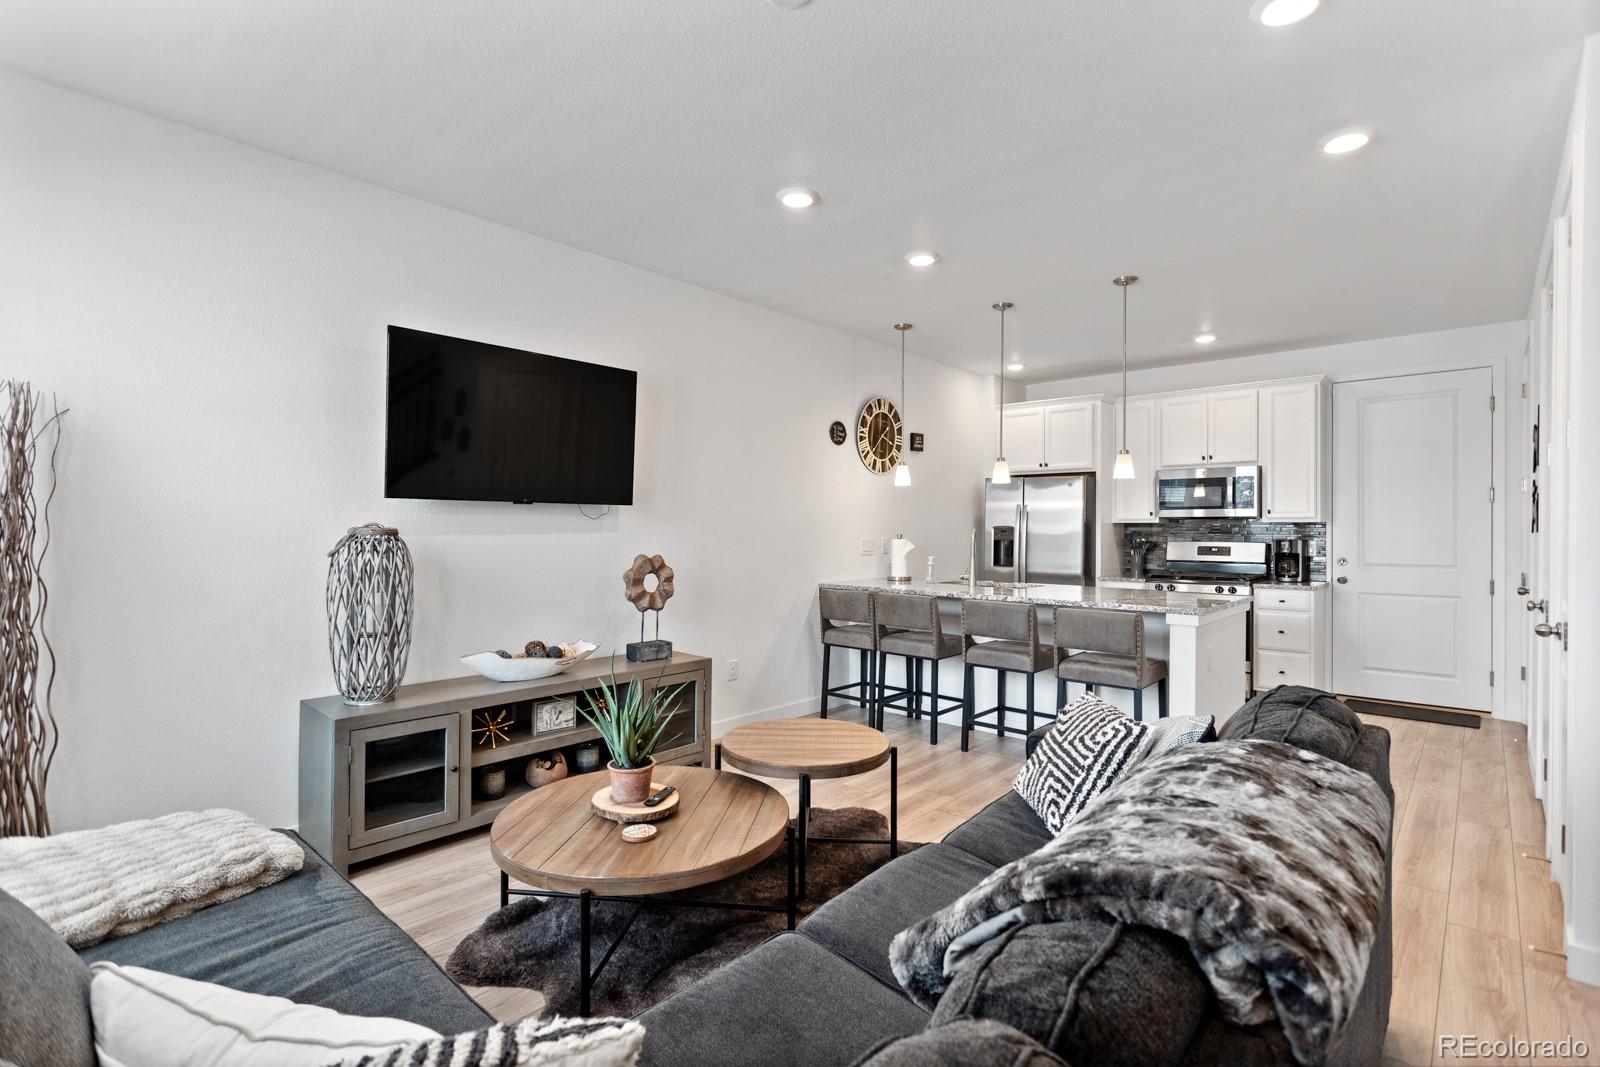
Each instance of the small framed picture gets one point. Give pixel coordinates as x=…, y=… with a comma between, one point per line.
x=551, y=715
x=916, y=442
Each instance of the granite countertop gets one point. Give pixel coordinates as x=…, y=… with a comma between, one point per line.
x=1148, y=601
x=1263, y=584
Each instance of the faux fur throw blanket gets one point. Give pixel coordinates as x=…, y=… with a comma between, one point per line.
x=93, y=884
x=1267, y=859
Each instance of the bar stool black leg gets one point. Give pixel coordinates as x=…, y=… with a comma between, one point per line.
x=966, y=706
x=805, y=817
x=894, y=801
x=914, y=665
x=585, y=903
x=825, y=657
x=933, y=719
x=1061, y=693
x=716, y=754
x=1000, y=707
x=1161, y=699
x=865, y=689
x=1031, y=677
x=876, y=720
x=1138, y=705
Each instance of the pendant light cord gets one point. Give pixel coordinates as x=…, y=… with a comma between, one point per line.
x=1001, y=307
x=1124, y=368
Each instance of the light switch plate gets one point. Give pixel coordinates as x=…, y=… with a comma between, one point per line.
x=885, y=549
x=866, y=546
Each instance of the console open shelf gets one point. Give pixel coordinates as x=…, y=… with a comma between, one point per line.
x=384, y=777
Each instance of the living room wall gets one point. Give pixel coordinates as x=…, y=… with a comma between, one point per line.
x=214, y=315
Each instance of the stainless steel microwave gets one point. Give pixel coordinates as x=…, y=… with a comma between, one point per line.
x=1208, y=493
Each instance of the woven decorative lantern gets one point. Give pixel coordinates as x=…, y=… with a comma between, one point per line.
x=369, y=613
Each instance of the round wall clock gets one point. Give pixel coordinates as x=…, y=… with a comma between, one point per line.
x=878, y=435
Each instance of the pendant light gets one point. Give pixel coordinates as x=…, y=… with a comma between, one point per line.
x=1124, y=468
x=1002, y=473
x=902, y=473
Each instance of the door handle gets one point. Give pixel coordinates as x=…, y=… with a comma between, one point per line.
x=1557, y=629
x=1538, y=605
x=1523, y=590
x=1342, y=580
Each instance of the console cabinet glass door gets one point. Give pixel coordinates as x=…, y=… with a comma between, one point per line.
x=404, y=777
x=683, y=729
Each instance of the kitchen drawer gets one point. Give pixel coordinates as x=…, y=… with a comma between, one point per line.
x=1274, y=599
x=1283, y=668
x=1283, y=631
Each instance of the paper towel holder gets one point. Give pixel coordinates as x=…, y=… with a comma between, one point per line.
x=899, y=551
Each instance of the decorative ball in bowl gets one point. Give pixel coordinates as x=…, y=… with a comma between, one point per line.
x=536, y=660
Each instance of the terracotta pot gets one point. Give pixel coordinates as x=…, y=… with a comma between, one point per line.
x=538, y=775
x=630, y=786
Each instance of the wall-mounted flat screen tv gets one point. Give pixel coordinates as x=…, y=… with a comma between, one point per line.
x=473, y=421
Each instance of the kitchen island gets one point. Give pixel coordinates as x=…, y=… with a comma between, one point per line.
x=1201, y=638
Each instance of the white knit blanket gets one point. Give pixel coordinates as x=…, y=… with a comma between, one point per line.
x=93, y=884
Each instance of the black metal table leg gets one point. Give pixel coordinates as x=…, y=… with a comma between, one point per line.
x=894, y=797
x=717, y=750
x=805, y=816
x=792, y=899
x=585, y=980
x=505, y=889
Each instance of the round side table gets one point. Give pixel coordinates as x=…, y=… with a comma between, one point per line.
x=815, y=748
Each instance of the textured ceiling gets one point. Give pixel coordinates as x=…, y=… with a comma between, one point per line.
x=1041, y=146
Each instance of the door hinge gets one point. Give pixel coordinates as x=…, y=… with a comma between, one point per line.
x=1563, y=839
x=1524, y=677
x=1491, y=587
x=1491, y=401
x=1544, y=769
x=1491, y=679
x=1491, y=494
x=349, y=755
x=1524, y=390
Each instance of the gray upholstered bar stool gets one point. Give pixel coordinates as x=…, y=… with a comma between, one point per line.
x=1015, y=648
x=848, y=621
x=1113, y=654
x=911, y=627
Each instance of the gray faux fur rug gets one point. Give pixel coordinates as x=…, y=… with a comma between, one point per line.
x=533, y=943
x=1267, y=859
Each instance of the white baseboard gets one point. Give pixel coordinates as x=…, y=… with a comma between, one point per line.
x=1583, y=964
x=792, y=710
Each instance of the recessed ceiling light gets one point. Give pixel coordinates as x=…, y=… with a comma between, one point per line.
x=1275, y=13
x=1014, y=365
x=922, y=259
x=1205, y=338
x=1345, y=141
x=797, y=196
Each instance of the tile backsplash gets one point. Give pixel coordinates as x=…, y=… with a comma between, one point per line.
x=1222, y=530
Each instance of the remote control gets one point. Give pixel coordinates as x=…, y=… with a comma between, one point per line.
x=658, y=797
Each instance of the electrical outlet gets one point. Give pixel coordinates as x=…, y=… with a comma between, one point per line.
x=866, y=546
x=733, y=670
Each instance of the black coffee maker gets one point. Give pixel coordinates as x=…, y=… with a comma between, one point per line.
x=1291, y=560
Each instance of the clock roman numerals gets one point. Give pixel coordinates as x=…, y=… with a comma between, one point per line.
x=878, y=435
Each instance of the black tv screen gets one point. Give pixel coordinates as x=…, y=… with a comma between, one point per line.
x=473, y=421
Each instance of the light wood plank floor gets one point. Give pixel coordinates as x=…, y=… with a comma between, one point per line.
x=1477, y=920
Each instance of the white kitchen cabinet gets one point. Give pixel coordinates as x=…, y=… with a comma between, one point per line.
x=1198, y=428
x=1291, y=636
x=1024, y=438
x=1182, y=430
x=1231, y=424
x=1069, y=435
x=1134, y=500
x=1293, y=426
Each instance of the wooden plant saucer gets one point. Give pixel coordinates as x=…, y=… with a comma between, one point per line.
x=607, y=808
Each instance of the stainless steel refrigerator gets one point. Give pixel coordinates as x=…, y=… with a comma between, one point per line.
x=1039, y=528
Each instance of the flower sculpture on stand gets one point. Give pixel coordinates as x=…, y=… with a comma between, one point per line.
x=648, y=585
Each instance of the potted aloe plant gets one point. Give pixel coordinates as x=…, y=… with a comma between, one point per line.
x=631, y=724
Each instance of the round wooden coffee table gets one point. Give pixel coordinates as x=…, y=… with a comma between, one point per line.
x=815, y=748
x=552, y=840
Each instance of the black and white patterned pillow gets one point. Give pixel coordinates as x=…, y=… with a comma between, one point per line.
x=553, y=1042
x=1090, y=746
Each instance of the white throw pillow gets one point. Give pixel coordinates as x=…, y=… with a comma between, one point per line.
x=144, y=1018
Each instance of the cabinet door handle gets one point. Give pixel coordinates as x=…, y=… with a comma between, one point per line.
x=453, y=770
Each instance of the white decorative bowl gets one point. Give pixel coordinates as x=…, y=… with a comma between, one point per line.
x=497, y=668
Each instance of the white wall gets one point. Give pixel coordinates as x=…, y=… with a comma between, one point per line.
x=214, y=317
x=1499, y=346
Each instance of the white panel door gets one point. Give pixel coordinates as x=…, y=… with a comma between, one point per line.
x=1291, y=451
x=1182, y=425
x=1024, y=443
x=1410, y=540
x=1231, y=421
x=1069, y=436
x=1134, y=500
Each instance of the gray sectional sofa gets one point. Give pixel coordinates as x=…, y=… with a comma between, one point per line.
x=1091, y=993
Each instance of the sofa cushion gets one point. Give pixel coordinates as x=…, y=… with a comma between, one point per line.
x=859, y=923
x=44, y=993
x=1297, y=715
x=1092, y=744
x=790, y=1001
x=963, y=1043
x=312, y=938
x=1005, y=830
x=1093, y=990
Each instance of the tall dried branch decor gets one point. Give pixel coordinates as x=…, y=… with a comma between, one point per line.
x=28, y=733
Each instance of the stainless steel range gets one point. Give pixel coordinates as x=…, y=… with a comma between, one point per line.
x=1212, y=568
